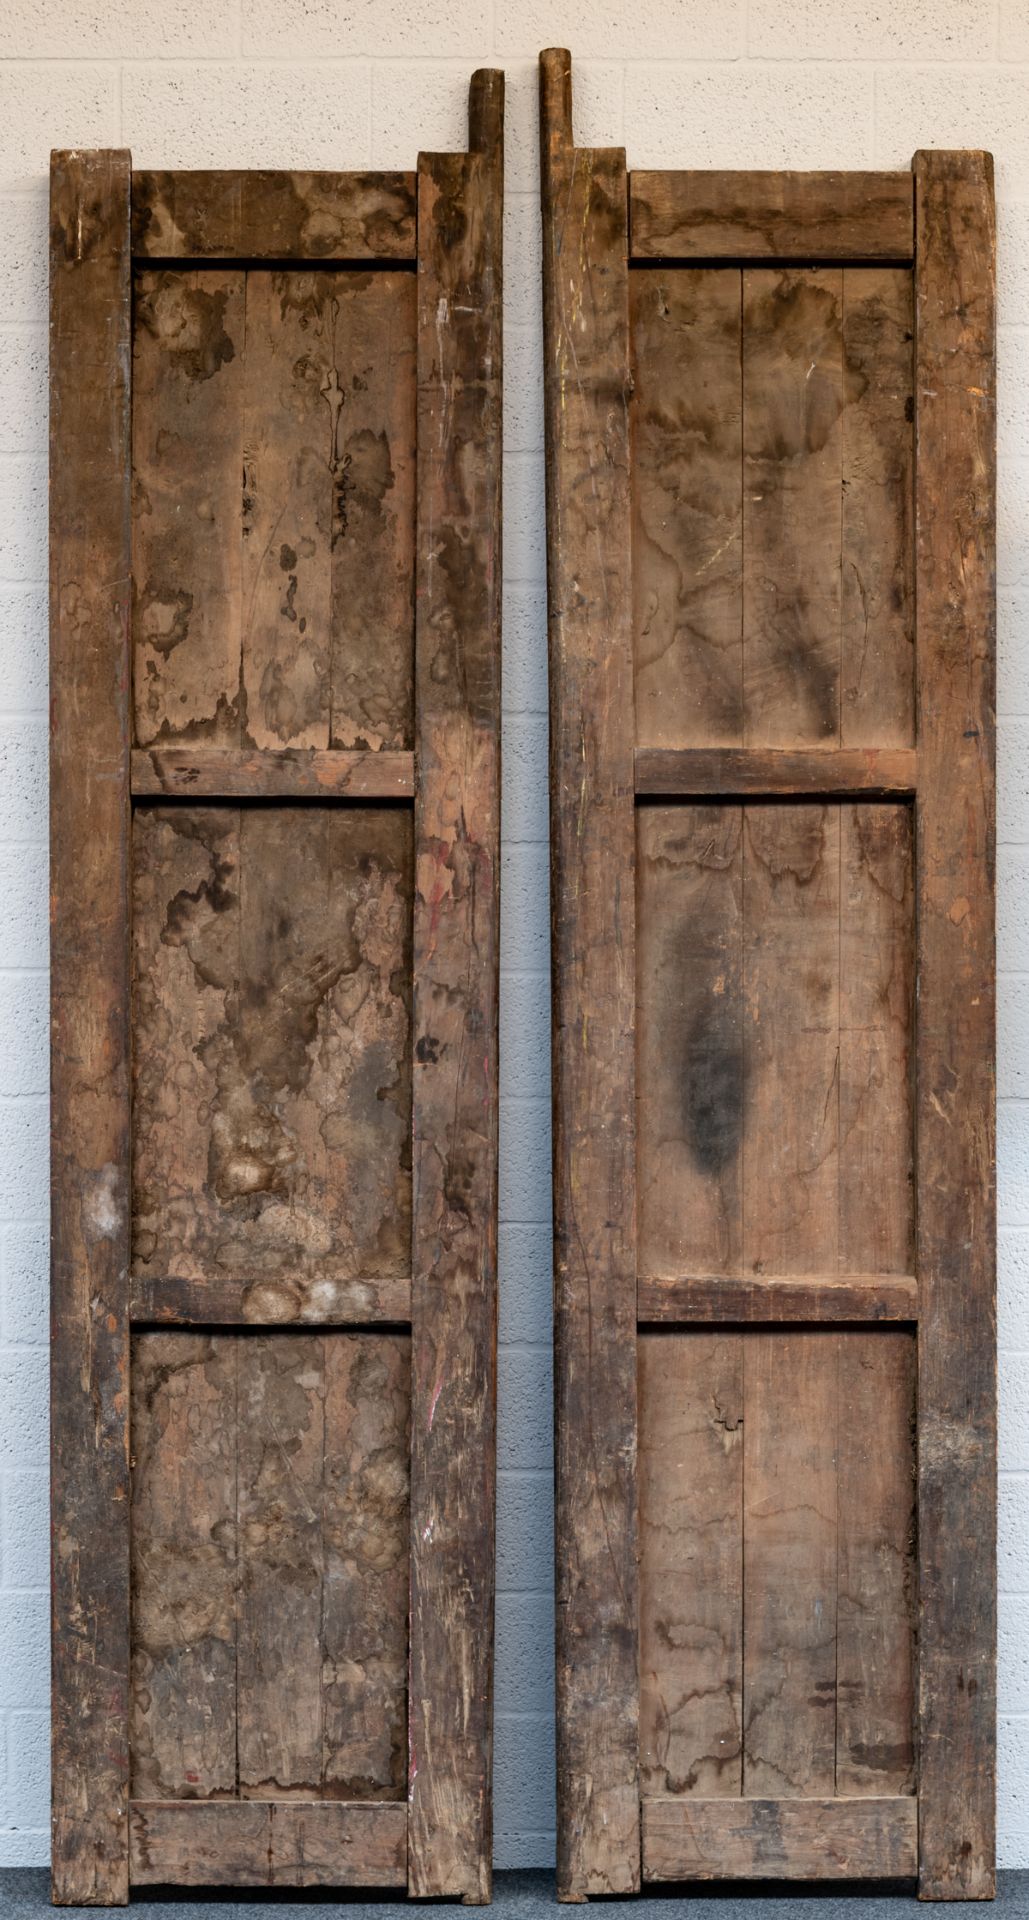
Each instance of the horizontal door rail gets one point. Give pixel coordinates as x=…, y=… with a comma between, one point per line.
x=692, y=1839
x=265, y=216
x=268, y=1300
x=705, y=1298
x=298, y=773
x=803, y=217
x=257, y=1843
x=724, y=773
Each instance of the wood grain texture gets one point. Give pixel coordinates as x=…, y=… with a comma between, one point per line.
x=231, y=773
x=456, y=952
x=792, y=463
x=273, y=450
x=793, y=1839
x=956, y=521
x=90, y=308
x=235, y=1299
x=691, y=1565
x=722, y=773
x=790, y=1527
x=272, y=1062
x=273, y=216
x=188, y=363
x=246, y=1844
x=877, y=677
x=876, y=1606
x=687, y=497
x=270, y=1554
x=781, y=216
x=587, y=381
x=728, y=1298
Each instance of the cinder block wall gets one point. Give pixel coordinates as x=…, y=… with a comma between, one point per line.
x=343, y=83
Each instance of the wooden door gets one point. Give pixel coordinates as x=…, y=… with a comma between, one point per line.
x=770, y=470
x=275, y=536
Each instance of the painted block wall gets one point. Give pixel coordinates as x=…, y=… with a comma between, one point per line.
x=345, y=83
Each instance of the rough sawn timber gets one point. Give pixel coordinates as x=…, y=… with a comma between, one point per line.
x=90, y=321
x=587, y=380
x=456, y=958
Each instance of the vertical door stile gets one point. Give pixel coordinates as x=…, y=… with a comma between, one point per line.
x=955, y=426
x=456, y=960
x=586, y=388
x=90, y=344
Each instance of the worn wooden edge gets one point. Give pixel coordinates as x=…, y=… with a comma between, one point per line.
x=586, y=387
x=702, y=1299
x=264, y=1300
x=854, y=217
x=846, y=1839
x=456, y=995
x=268, y=1843
x=282, y=217
x=229, y=773
x=701, y=773
x=955, y=436
x=90, y=591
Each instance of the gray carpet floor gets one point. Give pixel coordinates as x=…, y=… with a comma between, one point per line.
x=25, y=1895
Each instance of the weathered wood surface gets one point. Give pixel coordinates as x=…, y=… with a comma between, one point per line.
x=229, y=773
x=721, y=773
x=955, y=411
x=456, y=956
x=272, y=1049
x=270, y=1554
x=780, y=216
x=273, y=526
x=801, y=1839
x=235, y=1299
x=720, y=1297
x=243, y=1844
x=273, y=216
x=90, y=318
x=775, y=1008
x=587, y=380
x=772, y=553
x=777, y=1562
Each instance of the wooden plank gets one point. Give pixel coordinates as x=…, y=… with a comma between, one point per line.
x=371, y=382
x=691, y=1564
x=789, y=1596
x=290, y=425
x=587, y=383
x=182, y=1728
x=780, y=216
x=687, y=507
x=216, y=773
x=791, y=1058
x=877, y=1599
x=681, y=1299
x=877, y=1023
x=273, y=216
x=90, y=468
x=803, y=1839
x=690, y=1014
x=758, y=772
x=456, y=949
x=792, y=402
x=955, y=512
x=187, y=462
x=272, y=1063
x=281, y=1446
x=236, y=1299
x=366, y=1484
x=245, y=1844
x=877, y=679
